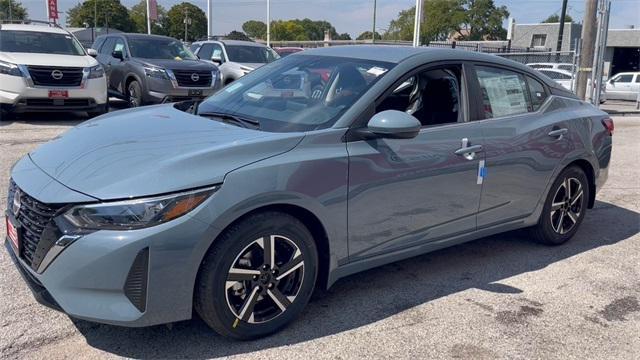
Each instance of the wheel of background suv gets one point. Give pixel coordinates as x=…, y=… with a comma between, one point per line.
x=257, y=277
x=101, y=111
x=564, y=208
x=134, y=94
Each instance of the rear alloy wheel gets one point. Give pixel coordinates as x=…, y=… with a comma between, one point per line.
x=134, y=94
x=257, y=276
x=564, y=208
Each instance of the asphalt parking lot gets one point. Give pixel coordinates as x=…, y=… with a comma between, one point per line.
x=498, y=297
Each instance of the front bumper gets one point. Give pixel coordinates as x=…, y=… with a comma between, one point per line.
x=17, y=95
x=162, y=91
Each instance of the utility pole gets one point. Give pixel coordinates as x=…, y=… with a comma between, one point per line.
x=588, y=44
x=417, y=23
x=268, y=23
x=598, y=58
x=209, y=20
x=373, y=31
x=563, y=13
x=10, y=12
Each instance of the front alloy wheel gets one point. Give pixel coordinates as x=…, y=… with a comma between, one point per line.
x=257, y=276
x=264, y=279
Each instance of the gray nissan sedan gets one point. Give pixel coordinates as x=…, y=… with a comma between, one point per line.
x=311, y=168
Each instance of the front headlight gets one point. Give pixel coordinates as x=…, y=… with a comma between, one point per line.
x=138, y=213
x=7, y=68
x=155, y=72
x=96, y=72
x=215, y=78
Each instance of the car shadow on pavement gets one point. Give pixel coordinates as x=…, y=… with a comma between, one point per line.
x=377, y=294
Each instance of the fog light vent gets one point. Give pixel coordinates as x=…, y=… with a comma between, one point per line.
x=135, y=288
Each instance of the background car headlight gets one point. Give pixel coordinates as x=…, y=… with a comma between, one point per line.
x=9, y=69
x=156, y=73
x=96, y=72
x=138, y=213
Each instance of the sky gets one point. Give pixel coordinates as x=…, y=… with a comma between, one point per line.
x=355, y=16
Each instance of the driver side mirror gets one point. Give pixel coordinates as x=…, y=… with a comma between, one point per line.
x=118, y=54
x=392, y=124
x=217, y=59
x=92, y=52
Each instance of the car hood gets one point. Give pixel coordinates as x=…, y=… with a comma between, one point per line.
x=153, y=150
x=48, y=59
x=253, y=66
x=178, y=64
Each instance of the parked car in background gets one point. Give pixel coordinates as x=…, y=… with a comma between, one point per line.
x=624, y=86
x=566, y=79
x=149, y=69
x=549, y=65
x=284, y=51
x=235, y=58
x=235, y=208
x=43, y=67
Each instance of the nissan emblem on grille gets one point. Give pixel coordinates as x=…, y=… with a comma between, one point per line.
x=15, y=207
x=195, y=77
x=57, y=74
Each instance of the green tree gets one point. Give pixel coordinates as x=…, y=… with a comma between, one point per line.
x=237, y=35
x=288, y=30
x=343, y=36
x=255, y=29
x=12, y=10
x=110, y=13
x=466, y=19
x=555, y=18
x=176, y=16
x=367, y=36
x=138, y=14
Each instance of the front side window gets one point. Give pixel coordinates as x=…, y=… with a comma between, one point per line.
x=432, y=96
x=119, y=46
x=159, y=49
x=626, y=78
x=298, y=93
x=35, y=42
x=251, y=54
x=504, y=92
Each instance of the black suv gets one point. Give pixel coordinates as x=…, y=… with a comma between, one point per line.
x=147, y=69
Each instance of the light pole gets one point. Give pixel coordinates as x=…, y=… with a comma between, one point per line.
x=187, y=22
x=269, y=23
x=373, y=32
x=148, y=18
x=209, y=19
x=417, y=23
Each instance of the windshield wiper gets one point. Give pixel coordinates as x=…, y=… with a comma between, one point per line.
x=233, y=119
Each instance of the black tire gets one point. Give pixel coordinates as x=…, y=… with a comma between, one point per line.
x=214, y=298
x=100, y=111
x=134, y=94
x=558, y=223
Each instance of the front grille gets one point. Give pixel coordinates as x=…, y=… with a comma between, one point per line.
x=45, y=76
x=38, y=232
x=184, y=78
x=59, y=102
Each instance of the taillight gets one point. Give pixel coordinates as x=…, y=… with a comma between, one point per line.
x=608, y=124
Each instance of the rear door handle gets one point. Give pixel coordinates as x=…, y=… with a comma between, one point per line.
x=559, y=133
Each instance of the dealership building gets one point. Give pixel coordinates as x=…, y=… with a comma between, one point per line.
x=622, y=52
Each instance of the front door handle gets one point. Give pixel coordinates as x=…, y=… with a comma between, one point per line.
x=469, y=152
x=558, y=133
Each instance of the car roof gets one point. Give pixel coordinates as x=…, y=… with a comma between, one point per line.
x=139, y=36
x=232, y=42
x=34, y=28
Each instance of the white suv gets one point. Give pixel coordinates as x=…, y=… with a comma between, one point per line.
x=44, y=68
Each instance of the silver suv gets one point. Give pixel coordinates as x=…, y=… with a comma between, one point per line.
x=147, y=69
x=234, y=58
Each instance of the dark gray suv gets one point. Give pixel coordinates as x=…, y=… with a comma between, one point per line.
x=147, y=69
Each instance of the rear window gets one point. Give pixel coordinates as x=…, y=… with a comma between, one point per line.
x=39, y=43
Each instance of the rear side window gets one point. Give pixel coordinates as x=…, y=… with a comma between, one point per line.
x=504, y=92
x=537, y=92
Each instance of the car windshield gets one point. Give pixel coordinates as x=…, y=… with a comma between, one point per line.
x=159, y=48
x=297, y=93
x=39, y=43
x=251, y=54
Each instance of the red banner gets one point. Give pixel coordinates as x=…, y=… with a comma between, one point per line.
x=153, y=10
x=53, y=9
